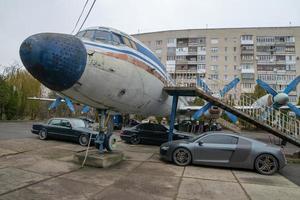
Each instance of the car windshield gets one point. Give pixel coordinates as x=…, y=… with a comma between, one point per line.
x=78, y=123
x=196, y=137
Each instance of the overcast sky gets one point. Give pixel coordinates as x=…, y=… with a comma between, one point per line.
x=21, y=18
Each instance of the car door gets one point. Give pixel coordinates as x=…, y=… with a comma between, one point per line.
x=66, y=131
x=53, y=128
x=147, y=133
x=215, y=149
x=160, y=134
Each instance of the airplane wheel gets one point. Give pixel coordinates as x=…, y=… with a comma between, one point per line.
x=43, y=134
x=83, y=140
x=135, y=139
x=182, y=157
x=110, y=142
x=266, y=164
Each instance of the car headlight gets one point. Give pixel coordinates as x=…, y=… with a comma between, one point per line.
x=165, y=148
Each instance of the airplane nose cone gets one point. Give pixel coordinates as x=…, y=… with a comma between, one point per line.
x=56, y=60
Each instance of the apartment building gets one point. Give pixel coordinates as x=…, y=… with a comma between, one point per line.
x=219, y=55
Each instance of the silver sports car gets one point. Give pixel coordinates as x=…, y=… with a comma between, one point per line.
x=227, y=150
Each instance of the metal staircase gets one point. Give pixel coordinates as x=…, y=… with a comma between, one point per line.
x=266, y=118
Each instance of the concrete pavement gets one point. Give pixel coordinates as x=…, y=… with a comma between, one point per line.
x=34, y=169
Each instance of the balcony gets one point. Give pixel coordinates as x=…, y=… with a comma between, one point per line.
x=248, y=71
x=192, y=62
x=247, y=41
x=181, y=62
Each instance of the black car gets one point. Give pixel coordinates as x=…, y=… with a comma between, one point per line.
x=150, y=133
x=70, y=129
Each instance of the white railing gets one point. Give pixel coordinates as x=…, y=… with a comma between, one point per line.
x=274, y=118
x=267, y=114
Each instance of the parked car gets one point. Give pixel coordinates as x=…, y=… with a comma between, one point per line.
x=150, y=133
x=70, y=129
x=226, y=150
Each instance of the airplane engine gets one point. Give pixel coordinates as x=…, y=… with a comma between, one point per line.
x=266, y=100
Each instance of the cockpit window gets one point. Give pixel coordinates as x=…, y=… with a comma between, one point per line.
x=80, y=34
x=103, y=36
x=117, y=40
x=133, y=44
x=88, y=35
x=127, y=42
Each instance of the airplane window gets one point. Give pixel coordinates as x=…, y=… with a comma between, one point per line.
x=88, y=35
x=116, y=39
x=103, y=36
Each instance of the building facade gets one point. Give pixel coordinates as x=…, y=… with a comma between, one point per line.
x=219, y=55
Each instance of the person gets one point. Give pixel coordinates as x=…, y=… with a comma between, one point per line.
x=163, y=121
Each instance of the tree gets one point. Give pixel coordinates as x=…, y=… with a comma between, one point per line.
x=259, y=92
x=198, y=102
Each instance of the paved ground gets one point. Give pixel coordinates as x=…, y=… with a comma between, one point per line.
x=34, y=169
x=14, y=130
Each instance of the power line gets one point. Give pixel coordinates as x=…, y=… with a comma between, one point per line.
x=87, y=15
x=86, y=2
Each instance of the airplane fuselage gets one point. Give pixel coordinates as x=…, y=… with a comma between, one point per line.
x=107, y=69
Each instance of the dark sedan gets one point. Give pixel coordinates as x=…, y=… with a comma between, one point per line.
x=70, y=129
x=226, y=150
x=149, y=133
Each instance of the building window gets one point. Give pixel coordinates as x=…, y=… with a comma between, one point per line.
x=225, y=58
x=247, y=85
x=214, y=41
x=225, y=77
x=214, y=76
x=234, y=49
x=214, y=49
x=214, y=67
x=225, y=68
x=246, y=37
x=158, y=51
x=158, y=42
x=170, y=57
x=225, y=49
x=234, y=58
x=201, y=58
x=235, y=67
x=214, y=58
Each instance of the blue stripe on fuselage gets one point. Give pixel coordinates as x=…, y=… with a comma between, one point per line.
x=131, y=53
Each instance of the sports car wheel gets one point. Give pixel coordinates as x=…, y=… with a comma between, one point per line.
x=182, y=157
x=43, y=134
x=266, y=164
x=135, y=139
x=83, y=140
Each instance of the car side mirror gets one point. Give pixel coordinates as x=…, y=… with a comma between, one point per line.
x=200, y=143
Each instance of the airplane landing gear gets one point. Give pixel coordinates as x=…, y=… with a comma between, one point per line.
x=105, y=138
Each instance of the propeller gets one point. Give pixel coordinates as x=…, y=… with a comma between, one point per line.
x=58, y=101
x=69, y=104
x=231, y=116
x=55, y=103
x=85, y=109
x=277, y=104
x=294, y=109
x=207, y=106
x=292, y=85
x=201, y=111
x=229, y=86
x=266, y=86
x=203, y=85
